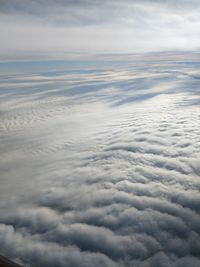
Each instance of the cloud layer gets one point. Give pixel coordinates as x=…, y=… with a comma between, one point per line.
x=100, y=164
x=62, y=29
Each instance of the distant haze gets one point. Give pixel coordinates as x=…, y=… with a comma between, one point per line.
x=65, y=28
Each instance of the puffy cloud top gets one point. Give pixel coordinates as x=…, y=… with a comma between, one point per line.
x=100, y=165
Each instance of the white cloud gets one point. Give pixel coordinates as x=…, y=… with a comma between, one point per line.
x=100, y=164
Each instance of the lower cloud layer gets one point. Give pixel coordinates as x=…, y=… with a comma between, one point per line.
x=101, y=168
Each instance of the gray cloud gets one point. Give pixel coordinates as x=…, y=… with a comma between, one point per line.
x=40, y=7
x=63, y=29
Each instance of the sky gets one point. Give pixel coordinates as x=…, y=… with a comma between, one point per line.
x=99, y=133
x=57, y=29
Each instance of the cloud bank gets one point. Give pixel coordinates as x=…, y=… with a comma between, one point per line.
x=100, y=165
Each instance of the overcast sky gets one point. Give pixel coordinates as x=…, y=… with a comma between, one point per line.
x=39, y=29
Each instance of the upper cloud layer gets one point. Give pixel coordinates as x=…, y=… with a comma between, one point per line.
x=59, y=28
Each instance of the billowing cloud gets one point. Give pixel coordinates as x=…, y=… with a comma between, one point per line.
x=100, y=164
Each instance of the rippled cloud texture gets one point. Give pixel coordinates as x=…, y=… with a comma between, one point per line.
x=100, y=163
